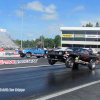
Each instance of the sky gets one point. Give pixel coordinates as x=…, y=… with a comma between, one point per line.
x=45, y=17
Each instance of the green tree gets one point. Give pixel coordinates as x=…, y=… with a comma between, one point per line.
x=17, y=42
x=89, y=25
x=57, y=41
x=48, y=43
x=97, y=25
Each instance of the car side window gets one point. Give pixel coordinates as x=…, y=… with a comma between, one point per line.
x=84, y=52
x=39, y=49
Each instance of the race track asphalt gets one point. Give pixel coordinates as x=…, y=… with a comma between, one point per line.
x=44, y=80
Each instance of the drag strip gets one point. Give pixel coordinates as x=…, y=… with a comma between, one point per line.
x=38, y=82
x=30, y=81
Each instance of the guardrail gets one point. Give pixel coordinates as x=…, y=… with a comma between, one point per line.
x=9, y=54
x=23, y=61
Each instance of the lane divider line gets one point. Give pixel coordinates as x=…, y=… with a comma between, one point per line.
x=29, y=67
x=67, y=91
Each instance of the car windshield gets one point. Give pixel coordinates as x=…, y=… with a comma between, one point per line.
x=33, y=48
x=74, y=49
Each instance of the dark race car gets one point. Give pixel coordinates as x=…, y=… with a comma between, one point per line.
x=72, y=57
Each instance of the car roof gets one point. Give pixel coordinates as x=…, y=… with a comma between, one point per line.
x=74, y=47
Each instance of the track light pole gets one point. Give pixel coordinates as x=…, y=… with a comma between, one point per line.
x=22, y=9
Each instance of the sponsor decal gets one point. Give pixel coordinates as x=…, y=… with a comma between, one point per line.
x=15, y=53
x=26, y=61
x=79, y=36
x=7, y=62
x=98, y=36
x=67, y=35
x=1, y=49
x=18, y=61
x=91, y=36
x=11, y=53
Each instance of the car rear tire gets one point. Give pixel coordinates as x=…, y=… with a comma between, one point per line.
x=28, y=55
x=92, y=64
x=69, y=62
x=51, y=62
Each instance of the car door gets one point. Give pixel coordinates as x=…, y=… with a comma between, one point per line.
x=84, y=56
x=33, y=51
x=39, y=51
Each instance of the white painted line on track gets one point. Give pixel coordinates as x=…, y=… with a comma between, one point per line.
x=67, y=91
x=29, y=67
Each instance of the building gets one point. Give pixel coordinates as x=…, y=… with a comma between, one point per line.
x=80, y=37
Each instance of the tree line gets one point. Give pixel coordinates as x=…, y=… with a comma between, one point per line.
x=91, y=25
x=45, y=42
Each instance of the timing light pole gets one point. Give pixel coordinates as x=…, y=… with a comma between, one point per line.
x=22, y=9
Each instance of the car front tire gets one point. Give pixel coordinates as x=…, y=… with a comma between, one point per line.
x=69, y=62
x=22, y=56
x=28, y=55
x=51, y=62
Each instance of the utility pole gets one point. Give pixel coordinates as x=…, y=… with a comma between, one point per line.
x=41, y=41
x=22, y=9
